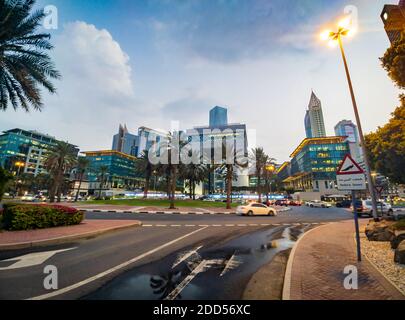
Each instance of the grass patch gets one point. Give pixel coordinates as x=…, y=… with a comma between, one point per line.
x=161, y=203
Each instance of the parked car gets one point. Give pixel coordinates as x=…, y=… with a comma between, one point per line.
x=253, y=209
x=28, y=198
x=365, y=208
x=281, y=203
x=295, y=203
x=318, y=204
x=344, y=204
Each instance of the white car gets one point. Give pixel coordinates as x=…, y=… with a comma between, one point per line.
x=28, y=197
x=256, y=209
x=318, y=204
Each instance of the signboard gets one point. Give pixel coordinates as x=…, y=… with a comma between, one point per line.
x=350, y=133
x=350, y=176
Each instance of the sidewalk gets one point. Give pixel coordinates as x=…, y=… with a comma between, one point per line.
x=315, y=268
x=88, y=228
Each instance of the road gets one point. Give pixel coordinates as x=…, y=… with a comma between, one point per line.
x=171, y=256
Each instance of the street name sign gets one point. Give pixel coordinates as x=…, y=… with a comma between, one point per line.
x=350, y=176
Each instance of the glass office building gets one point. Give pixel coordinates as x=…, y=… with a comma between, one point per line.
x=125, y=142
x=29, y=147
x=315, y=162
x=121, y=169
x=218, y=117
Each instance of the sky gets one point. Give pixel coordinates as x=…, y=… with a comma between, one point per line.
x=151, y=62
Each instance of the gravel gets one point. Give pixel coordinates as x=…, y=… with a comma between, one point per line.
x=381, y=254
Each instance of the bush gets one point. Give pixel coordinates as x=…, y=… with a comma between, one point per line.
x=28, y=217
x=400, y=225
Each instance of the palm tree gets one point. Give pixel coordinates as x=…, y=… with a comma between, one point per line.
x=24, y=62
x=60, y=158
x=194, y=173
x=102, y=176
x=260, y=160
x=145, y=168
x=82, y=165
x=268, y=176
x=229, y=168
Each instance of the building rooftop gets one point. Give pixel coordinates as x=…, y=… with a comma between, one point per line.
x=283, y=166
x=108, y=153
x=308, y=141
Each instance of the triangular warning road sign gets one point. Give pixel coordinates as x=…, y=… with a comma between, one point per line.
x=349, y=166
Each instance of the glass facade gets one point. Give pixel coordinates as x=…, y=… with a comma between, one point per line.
x=26, y=146
x=218, y=117
x=314, y=164
x=121, y=168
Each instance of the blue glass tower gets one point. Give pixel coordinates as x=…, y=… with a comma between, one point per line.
x=218, y=117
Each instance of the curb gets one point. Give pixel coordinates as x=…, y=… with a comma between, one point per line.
x=65, y=239
x=286, y=295
x=167, y=212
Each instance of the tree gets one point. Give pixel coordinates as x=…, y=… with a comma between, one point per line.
x=24, y=62
x=102, y=177
x=393, y=61
x=145, y=168
x=82, y=165
x=58, y=160
x=194, y=173
x=260, y=160
x=5, y=178
x=268, y=176
x=386, y=146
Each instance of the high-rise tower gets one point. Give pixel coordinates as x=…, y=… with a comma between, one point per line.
x=314, y=123
x=218, y=117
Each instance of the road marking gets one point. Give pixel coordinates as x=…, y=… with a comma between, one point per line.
x=242, y=225
x=229, y=225
x=265, y=224
x=176, y=225
x=147, y=225
x=204, y=225
x=190, y=225
x=216, y=225
x=253, y=225
x=161, y=225
x=185, y=256
x=32, y=259
x=114, y=269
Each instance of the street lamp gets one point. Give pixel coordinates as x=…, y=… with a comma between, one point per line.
x=335, y=37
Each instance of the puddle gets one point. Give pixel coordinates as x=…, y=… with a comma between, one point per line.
x=216, y=273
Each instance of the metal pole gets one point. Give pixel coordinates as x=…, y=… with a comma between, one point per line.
x=362, y=140
x=356, y=225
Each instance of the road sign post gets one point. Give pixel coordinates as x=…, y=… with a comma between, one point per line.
x=351, y=177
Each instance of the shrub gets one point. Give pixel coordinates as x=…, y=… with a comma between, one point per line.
x=400, y=225
x=28, y=217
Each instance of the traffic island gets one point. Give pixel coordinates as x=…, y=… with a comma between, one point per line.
x=12, y=240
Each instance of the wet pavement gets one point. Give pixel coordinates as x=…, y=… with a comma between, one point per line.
x=205, y=271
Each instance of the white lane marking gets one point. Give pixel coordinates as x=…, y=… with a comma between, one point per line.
x=253, y=225
x=242, y=225
x=229, y=225
x=147, y=225
x=176, y=225
x=200, y=268
x=265, y=224
x=32, y=259
x=276, y=224
x=161, y=225
x=185, y=256
x=114, y=269
x=204, y=225
x=190, y=225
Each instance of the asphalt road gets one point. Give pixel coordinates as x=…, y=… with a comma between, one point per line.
x=121, y=265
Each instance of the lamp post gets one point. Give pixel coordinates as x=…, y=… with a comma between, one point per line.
x=19, y=165
x=333, y=37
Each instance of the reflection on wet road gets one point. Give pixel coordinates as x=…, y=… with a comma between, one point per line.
x=211, y=272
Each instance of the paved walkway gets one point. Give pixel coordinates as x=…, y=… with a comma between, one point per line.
x=23, y=239
x=318, y=263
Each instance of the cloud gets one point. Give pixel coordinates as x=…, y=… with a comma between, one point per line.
x=95, y=94
x=234, y=30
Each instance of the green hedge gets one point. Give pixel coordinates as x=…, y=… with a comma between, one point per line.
x=28, y=217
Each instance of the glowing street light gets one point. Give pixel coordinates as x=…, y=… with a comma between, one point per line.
x=345, y=29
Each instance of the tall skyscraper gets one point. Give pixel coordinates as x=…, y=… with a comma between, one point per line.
x=346, y=128
x=218, y=117
x=314, y=123
x=125, y=142
x=393, y=17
